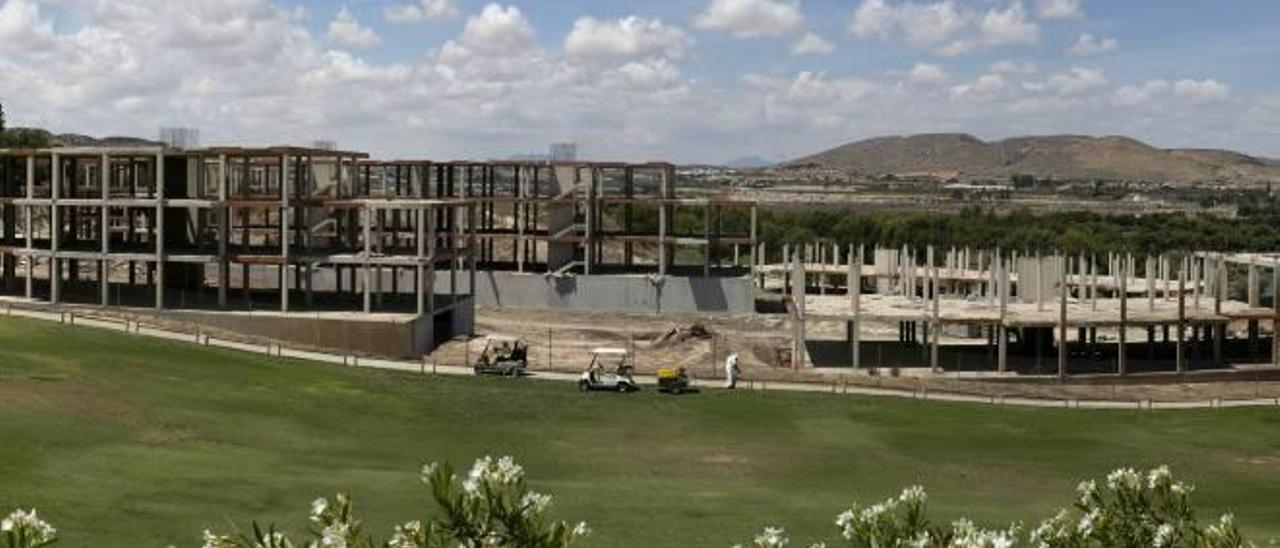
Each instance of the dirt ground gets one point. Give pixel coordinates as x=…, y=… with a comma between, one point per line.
x=561, y=341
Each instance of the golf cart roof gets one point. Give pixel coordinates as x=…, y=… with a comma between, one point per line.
x=609, y=351
x=502, y=338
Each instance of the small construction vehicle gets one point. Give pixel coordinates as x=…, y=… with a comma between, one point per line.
x=673, y=380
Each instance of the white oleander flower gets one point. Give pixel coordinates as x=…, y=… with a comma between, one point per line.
x=1225, y=524
x=406, y=535
x=507, y=472
x=772, y=537
x=1164, y=536
x=1086, y=490
x=1087, y=522
x=535, y=503
x=581, y=529
x=318, y=508
x=1121, y=478
x=913, y=495
x=1158, y=477
x=334, y=535
x=214, y=541
x=37, y=530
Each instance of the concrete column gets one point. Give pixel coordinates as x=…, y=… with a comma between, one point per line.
x=1255, y=283
x=1196, y=279
x=1063, y=289
x=993, y=282
x=286, y=221
x=798, y=298
x=1039, y=296
x=27, y=225
x=1151, y=283
x=1275, y=309
x=1002, y=332
x=1093, y=282
x=1220, y=287
x=224, y=230
x=855, y=291
x=472, y=241
x=104, y=246
x=159, y=231
x=55, y=230
x=662, y=240
x=421, y=257
x=936, y=322
x=1121, y=357
x=1182, y=322
x=364, y=271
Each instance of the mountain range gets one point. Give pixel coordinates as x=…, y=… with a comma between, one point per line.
x=1060, y=157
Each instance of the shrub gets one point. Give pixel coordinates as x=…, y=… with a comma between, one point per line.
x=491, y=507
x=23, y=529
x=1128, y=510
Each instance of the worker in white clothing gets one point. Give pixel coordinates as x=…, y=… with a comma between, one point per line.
x=731, y=371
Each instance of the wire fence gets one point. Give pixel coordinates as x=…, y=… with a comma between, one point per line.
x=703, y=360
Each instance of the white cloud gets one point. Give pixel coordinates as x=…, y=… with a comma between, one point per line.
x=267, y=77
x=1076, y=81
x=819, y=88
x=417, y=12
x=983, y=87
x=1059, y=9
x=345, y=29
x=22, y=27
x=752, y=18
x=1139, y=95
x=1009, y=26
x=496, y=30
x=812, y=44
x=648, y=74
x=628, y=37
x=1201, y=91
x=946, y=27
x=927, y=74
x=1089, y=45
x=1009, y=66
x=919, y=24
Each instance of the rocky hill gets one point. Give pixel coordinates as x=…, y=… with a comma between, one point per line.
x=1061, y=157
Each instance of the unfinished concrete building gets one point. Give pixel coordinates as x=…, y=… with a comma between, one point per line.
x=290, y=243
x=994, y=313
x=599, y=236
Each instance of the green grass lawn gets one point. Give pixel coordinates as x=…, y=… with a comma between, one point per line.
x=128, y=441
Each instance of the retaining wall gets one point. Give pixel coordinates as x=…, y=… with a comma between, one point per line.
x=614, y=292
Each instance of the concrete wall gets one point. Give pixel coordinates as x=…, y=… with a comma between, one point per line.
x=408, y=338
x=619, y=293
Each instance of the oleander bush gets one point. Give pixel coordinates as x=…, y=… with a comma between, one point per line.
x=493, y=507
x=1128, y=510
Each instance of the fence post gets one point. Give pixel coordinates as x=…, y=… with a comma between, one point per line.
x=714, y=351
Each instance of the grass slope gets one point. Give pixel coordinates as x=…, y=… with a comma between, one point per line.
x=136, y=442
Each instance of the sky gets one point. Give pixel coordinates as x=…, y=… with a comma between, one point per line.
x=681, y=80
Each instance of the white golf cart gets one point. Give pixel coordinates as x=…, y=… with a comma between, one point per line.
x=609, y=370
x=502, y=355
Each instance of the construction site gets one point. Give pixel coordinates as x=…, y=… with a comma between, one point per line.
x=990, y=313
x=332, y=249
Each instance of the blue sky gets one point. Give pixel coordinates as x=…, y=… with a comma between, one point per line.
x=688, y=80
